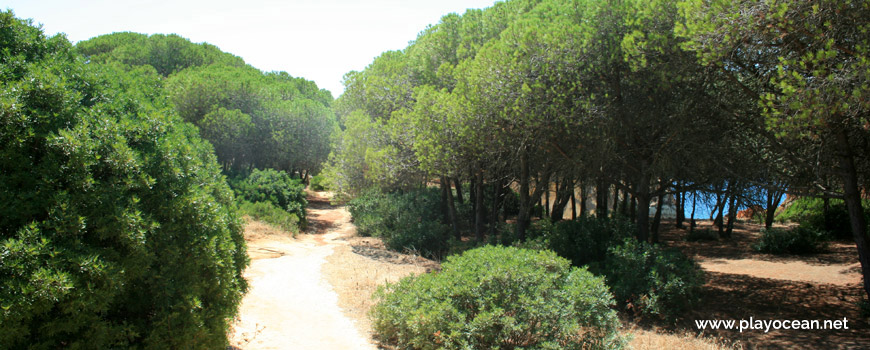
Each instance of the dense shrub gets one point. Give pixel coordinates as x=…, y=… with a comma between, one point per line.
x=117, y=229
x=706, y=234
x=800, y=240
x=317, y=183
x=586, y=240
x=405, y=221
x=275, y=187
x=269, y=213
x=498, y=298
x=648, y=280
x=810, y=213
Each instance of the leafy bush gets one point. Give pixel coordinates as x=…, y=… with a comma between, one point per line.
x=275, y=187
x=317, y=183
x=410, y=220
x=117, y=229
x=586, y=240
x=498, y=298
x=269, y=213
x=511, y=203
x=800, y=240
x=702, y=235
x=810, y=213
x=648, y=280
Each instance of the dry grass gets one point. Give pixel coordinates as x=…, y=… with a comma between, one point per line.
x=255, y=230
x=643, y=339
x=355, y=278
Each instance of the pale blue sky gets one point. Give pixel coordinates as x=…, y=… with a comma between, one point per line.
x=317, y=40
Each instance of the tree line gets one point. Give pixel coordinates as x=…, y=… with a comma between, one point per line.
x=740, y=102
x=253, y=119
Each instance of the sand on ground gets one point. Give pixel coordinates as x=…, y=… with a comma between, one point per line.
x=289, y=305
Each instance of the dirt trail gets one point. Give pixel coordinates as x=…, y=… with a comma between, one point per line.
x=289, y=305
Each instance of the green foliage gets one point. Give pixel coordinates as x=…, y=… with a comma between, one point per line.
x=271, y=214
x=317, y=183
x=268, y=120
x=274, y=187
x=586, y=240
x=810, y=213
x=498, y=298
x=117, y=229
x=166, y=53
x=706, y=234
x=648, y=280
x=405, y=221
x=800, y=240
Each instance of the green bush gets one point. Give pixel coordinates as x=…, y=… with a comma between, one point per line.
x=275, y=187
x=706, y=234
x=800, y=240
x=498, y=298
x=269, y=213
x=117, y=229
x=405, y=221
x=586, y=240
x=810, y=213
x=648, y=280
x=317, y=183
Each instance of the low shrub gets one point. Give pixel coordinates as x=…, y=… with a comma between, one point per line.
x=650, y=281
x=800, y=240
x=498, y=298
x=706, y=234
x=317, y=183
x=586, y=240
x=269, y=213
x=810, y=213
x=405, y=221
x=275, y=187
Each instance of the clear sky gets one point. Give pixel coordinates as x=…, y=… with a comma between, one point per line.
x=317, y=40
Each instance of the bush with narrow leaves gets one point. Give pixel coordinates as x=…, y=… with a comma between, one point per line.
x=586, y=240
x=499, y=298
x=275, y=187
x=649, y=280
x=117, y=229
x=800, y=240
x=405, y=221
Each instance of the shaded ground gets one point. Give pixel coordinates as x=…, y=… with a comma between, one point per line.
x=743, y=283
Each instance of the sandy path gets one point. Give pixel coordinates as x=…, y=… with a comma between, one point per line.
x=791, y=271
x=289, y=305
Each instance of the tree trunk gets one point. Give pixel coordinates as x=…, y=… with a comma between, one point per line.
x=479, y=210
x=444, y=210
x=732, y=215
x=615, y=208
x=679, y=200
x=547, y=200
x=721, y=199
x=451, y=209
x=773, y=199
x=582, y=199
x=657, y=220
x=457, y=182
x=573, y=204
x=525, y=205
x=601, y=193
x=564, y=193
x=692, y=218
x=852, y=197
x=643, y=200
x=496, y=202
x=632, y=212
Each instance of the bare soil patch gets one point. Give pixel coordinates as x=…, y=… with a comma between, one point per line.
x=743, y=283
